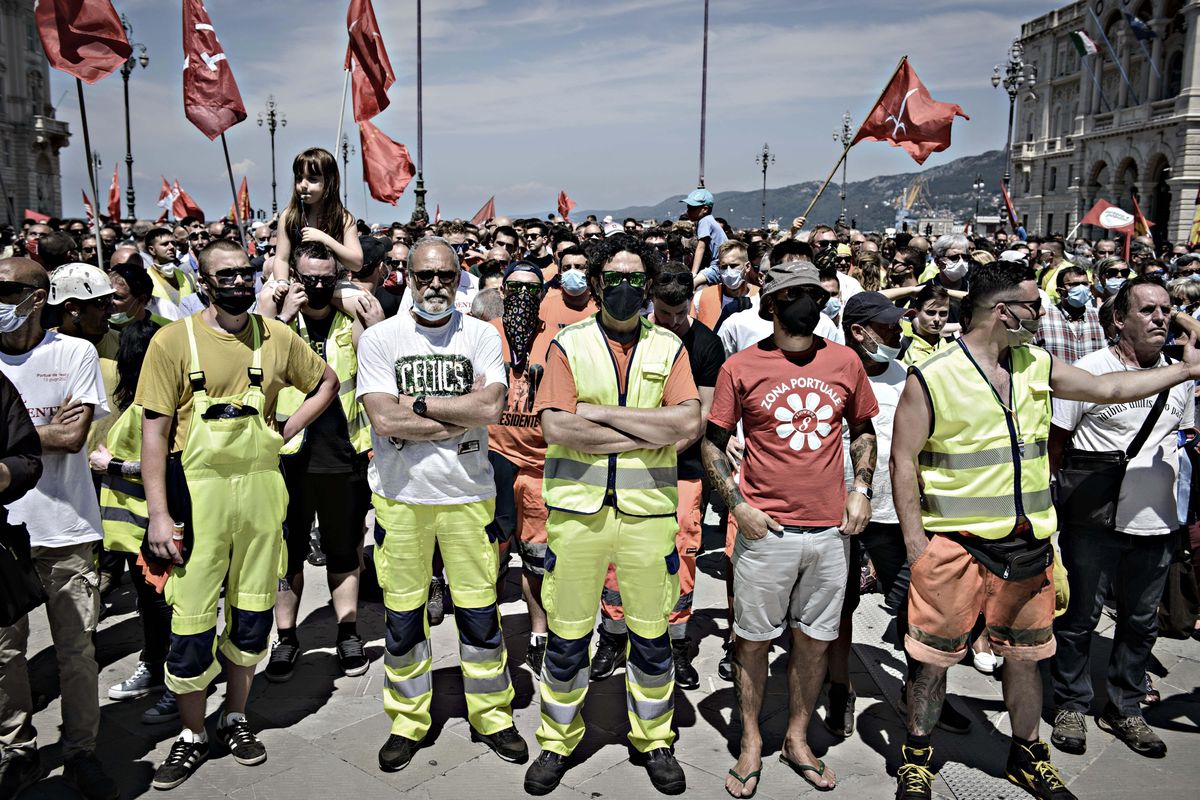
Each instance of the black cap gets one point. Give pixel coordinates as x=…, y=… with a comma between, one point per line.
x=374, y=252
x=866, y=307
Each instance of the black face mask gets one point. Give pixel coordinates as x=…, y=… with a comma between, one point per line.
x=623, y=301
x=231, y=299
x=799, y=317
x=318, y=296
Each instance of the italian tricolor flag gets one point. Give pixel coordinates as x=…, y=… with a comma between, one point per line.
x=1083, y=43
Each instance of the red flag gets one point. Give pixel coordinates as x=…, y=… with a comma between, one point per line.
x=161, y=218
x=83, y=38
x=387, y=169
x=88, y=207
x=486, y=213
x=36, y=216
x=243, y=202
x=114, y=197
x=1141, y=225
x=184, y=205
x=437, y=214
x=1012, y=212
x=372, y=71
x=211, y=99
x=1105, y=215
x=166, y=197
x=565, y=204
x=906, y=116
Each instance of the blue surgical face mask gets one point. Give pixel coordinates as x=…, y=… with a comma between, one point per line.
x=10, y=318
x=574, y=282
x=1113, y=285
x=883, y=353
x=433, y=316
x=832, y=306
x=1079, y=295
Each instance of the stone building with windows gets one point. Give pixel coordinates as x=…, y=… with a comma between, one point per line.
x=30, y=136
x=1087, y=133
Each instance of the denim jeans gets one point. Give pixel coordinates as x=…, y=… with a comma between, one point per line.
x=1135, y=567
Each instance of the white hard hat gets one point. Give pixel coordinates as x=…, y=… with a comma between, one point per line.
x=78, y=282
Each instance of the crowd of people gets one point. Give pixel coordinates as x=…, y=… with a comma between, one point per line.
x=211, y=415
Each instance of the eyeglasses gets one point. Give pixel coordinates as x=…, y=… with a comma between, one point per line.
x=516, y=287
x=395, y=263
x=682, y=278
x=318, y=281
x=613, y=279
x=228, y=277
x=198, y=235
x=426, y=276
x=1033, y=305
x=843, y=260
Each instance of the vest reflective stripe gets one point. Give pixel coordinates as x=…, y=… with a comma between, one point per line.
x=643, y=481
x=983, y=468
x=339, y=354
x=124, y=515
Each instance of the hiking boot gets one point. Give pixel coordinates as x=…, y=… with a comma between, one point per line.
x=352, y=658
x=725, y=665
x=397, y=752
x=914, y=778
x=165, y=710
x=282, y=662
x=665, y=773
x=686, y=676
x=240, y=741
x=534, y=656
x=437, y=602
x=610, y=654
x=545, y=773
x=507, y=744
x=19, y=770
x=84, y=773
x=146, y=678
x=1070, y=732
x=183, y=760
x=1134, y=732
x=839, y=713
x=1029, y=767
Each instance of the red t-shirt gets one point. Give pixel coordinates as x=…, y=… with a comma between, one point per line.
x=518, y=436
x=555, y=312
x=791, y=407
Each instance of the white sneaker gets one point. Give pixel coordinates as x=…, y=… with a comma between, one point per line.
x=987, y=662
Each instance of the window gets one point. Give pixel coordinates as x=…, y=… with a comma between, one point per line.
x=30, y=38
x=1053, y=179
x=1049, y=224
x=1026, y=184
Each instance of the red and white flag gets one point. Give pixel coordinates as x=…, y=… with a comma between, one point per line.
x=565, y=204
x=211, y=99
x=488, y=212
x=183, y=205
x=1141, y=225
x=167, y=195
x=906, y=116
x=1105, y=215
x=83, y=38
x=88, y=207
x=387, y=168
x=437, y=214
x=1008, y=204
x=371, y=74
x=36, y=216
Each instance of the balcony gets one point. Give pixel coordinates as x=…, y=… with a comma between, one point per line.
x=50, y=132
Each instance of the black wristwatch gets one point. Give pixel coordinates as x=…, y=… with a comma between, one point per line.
x=419, y=407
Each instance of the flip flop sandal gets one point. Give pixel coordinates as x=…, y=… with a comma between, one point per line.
x=803, y=769
x=744, y=781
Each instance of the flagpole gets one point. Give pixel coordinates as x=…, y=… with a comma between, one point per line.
x=1113, y=53
x=703, y=94
x=845, y=151
x=87, y=147
x=342, y=115
x=237, y=213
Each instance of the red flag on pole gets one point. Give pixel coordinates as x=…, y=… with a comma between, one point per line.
x=486, y=213
x=36, y=216
x=183, y=204
x=387, y=168
x=1105, y=215
x=906, y=116
x=166, y=196
x=1012, y=212
x=243, y=202
x=437, y=214
x=366, y=56
x=565, y=204
x=88, y=207
x=83, y=38
x=211, y=99
x=114, y=197
x=1141, y=225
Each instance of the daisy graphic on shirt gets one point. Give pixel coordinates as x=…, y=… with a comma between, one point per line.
x=804, y=422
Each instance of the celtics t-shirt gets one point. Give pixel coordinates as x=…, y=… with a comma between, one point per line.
x=401, y=357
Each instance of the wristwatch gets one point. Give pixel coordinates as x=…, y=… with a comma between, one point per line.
x=865, y=491
x=419, y=407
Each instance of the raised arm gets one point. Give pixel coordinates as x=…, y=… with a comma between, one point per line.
x=1071, y=383
x=910, y=431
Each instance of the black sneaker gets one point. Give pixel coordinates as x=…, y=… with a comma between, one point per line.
x=1070, y=732
x=545, y=773
x=397, y=752
x=84, y=773
x=686, y=676
x=725, y=665
x=184, y=759
x=352, y=658
x=507, y=744
x=282, y=662
x=165, y=710
x=914, y=778
x=610, y=654
x=436, y=607
x=1029, y=767
x=839, y=713
x=241, y=742
x=19, y=770
x=665, y=773
x=534, y=656
x=1134, y=732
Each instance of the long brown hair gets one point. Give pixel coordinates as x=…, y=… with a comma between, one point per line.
x=329, y=215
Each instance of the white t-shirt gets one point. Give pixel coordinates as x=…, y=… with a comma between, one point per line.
x=468, y=287
x=400, y=357
x=62, y=509
x=887, y=386
x=745, y=328
x=1147, y=503
x=848, y=287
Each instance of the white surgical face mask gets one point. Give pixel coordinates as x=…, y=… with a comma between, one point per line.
x=167, y=269
x=119, y=318
x=883, y=353
x=574, y=282
x=955, y=270
x=433, y=316
x=732, y=278
x=10, y=318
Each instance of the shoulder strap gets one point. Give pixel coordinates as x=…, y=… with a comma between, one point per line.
x=255, y=372
x=905, y=343
x=195, y=374
x=1144, y=433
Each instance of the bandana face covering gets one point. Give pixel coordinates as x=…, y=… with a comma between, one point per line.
x=520, y=325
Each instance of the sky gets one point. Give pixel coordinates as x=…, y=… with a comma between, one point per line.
x=523, y=98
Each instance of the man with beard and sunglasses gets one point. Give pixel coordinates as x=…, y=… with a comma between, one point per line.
x=516, y=447
x=616, y=399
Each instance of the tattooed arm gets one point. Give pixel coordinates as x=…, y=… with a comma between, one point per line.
x=752, y=523
x=862, y=454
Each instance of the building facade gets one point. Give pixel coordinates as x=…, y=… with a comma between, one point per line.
x=1087, y=133
x=30, y=136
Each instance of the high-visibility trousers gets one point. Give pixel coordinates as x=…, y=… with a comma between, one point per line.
x=579, y=550
x=405, y=536
x=687, y=544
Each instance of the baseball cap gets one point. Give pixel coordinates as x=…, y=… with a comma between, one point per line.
x=78, y=281
x=866, y=307
x=785, y=276
x=699, y=197
x=374, y=251
x=523, y=266
x=612, y=229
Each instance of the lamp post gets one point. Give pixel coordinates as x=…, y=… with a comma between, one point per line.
x=977, y=188
x=1013, y=75
x=138, y=56
x=347, y=151
x=420, y=214
x=843, y=137
x=764, y=159
x=271, y=118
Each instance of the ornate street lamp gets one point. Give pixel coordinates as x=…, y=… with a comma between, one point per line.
x=977, y=187
x=764, y=159
x=1013, y=76
x=138, y=57
x=347, y=151
x=272, y=117
x=844, y=136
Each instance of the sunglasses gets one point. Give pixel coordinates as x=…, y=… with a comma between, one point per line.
x=1185, y=271
x=1033, y=305
x=426, y=276
x=613, y=279
x=318, y=281
x=395, y=263
x=794, y=293
x=195, y=237
x=516, y=287
x=681, y=278
x=228, y=277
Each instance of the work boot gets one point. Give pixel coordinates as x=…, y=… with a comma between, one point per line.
x=610, y=654
x=914, y=778
x=1133, y=731
x=1029, y=767
x=665, y=773
x=545, y=773
x=397, y=752
x=507, y=744
x=686, y=676
x=436, y=608
x=1070, y=732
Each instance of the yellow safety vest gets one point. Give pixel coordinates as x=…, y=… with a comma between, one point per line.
x=339, y=354
x=642, y=482
x=984, y=468
x=123, y=512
